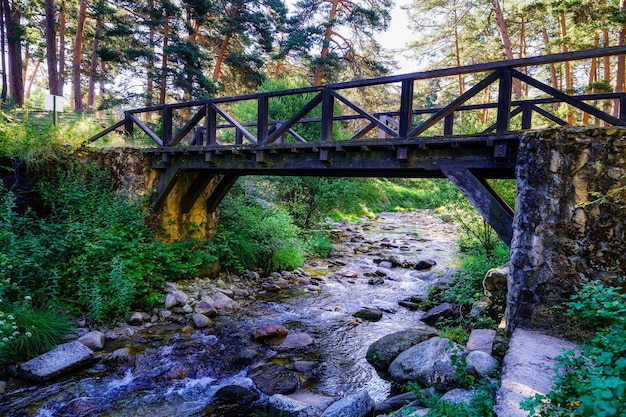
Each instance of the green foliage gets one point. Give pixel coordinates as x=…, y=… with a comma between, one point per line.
x=257, y=234
x=467, y=286
x=456, y=334
x=591, y=381
x=319, y=244
x=26, y=332
x=89, y=250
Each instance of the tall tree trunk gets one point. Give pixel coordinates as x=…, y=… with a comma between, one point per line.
x=166, y=34
x=62, y=48
x=3, y=93
x=51, y=49
x=317, y=79
x=546, y=40
x=151, y=66
x=25, y=64
x=592, y=74
x=569, y=82
x=78, y=54
x=12, y=18
x=621, y=64
x=506, y=42
x=221, y=54
x=457, y=49
x=93, y=67
x=32, y=78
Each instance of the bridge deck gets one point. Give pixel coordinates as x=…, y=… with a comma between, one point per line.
x=210, y=139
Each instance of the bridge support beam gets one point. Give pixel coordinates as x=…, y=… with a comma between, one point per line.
x=485, y=200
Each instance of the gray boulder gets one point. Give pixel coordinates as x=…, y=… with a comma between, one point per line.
x=382, y=352
x=93, y=340
x=200, y=320
x=355, y=405
x=60, y=360
x=175, y=298
x=428, y=363
x=283, y=406
x=458, y=396
x=220, y=300
x=369, y=314
x=442, y=311
x=480, y=363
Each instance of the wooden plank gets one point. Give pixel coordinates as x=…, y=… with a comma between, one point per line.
x=146, y=129
x=107, y=131
x=365, y=114
x=328, y=110
x=262, y=118
x=235, y=123
x=484, y=83
x=504, y=100
x=594, y=111
x=223, y=186
x=550, y=116
x=188, y=126
x=485, y=200
x=295, y=118
x=197, y=187
x=167, y=125
x=166, y=184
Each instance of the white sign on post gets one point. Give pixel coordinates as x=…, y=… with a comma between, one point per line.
x=53, y=103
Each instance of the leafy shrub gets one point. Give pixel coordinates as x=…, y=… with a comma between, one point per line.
x=319, y=244
x=89, y=250
x=591, y=381
x=256, y=234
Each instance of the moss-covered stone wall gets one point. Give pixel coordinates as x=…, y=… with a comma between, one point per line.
x=564, y=231
x=131, y=169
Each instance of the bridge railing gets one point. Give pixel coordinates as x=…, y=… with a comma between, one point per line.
x=335, y=113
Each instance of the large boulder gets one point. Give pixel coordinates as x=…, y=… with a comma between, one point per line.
x=60, y=360
x=355, y=405
x=382, y=352
x=428, y=363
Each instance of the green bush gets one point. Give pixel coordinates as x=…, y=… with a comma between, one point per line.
x=257, y=234
x=591, y=380
x=89, y=250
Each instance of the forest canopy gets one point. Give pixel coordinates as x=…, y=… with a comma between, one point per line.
x=105, y=53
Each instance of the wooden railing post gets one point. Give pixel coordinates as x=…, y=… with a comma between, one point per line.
x=406, y=109
x=527, y=115
x=129, y=126
x=328, y=108
x=167, y=126
x=448, y=124
x=622, y=108
x=210, y=124
x=262, y=119
x=504, y=100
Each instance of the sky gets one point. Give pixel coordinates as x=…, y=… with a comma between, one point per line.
x=395, y=38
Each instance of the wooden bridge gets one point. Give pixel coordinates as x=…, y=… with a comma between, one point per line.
x=471, y=139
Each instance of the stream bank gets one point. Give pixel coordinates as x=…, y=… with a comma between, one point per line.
x=166, y=363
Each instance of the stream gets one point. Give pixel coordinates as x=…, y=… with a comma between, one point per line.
x=176, y=370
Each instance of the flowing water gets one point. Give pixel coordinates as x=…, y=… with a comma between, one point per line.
x=176, y=371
